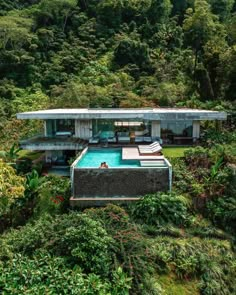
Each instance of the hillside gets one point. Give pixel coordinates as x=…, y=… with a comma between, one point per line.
x=115, y=54
x=110, y=54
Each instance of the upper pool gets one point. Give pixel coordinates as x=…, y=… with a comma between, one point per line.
x=113, y=157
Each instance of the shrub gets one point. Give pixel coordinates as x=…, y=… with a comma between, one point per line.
x=46, y=274
x=80, y=239
x=130, y=247
x=211, y=261
x=223, y=212
x=162, y=208
x=50, y=187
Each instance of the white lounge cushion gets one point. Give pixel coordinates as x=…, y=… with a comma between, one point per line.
x=151, y=151
x=147, y=148
x=155, y=143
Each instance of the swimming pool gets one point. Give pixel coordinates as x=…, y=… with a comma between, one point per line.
x=113, y=157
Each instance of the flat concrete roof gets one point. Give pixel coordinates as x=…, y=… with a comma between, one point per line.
x=138, y=114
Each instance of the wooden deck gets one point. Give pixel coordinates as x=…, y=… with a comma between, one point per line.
x=132, y=153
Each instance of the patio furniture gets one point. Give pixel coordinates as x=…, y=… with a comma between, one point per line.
x=152, y=145
x=94, y=140
x=111, y=139
x=147, y=139
x=158, y=139
x=151, y=151
x=108, y=136
x=123, y=137
x=63, y=133
x=138, y=139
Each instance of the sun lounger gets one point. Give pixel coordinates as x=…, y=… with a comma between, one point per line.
x=150, y=146
x=151, y=151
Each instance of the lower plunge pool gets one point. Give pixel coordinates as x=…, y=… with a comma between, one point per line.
x=113, y=157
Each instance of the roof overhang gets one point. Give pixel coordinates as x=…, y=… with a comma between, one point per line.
x=128, y=114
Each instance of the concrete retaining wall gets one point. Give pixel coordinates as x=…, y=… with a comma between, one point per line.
x=119, y=182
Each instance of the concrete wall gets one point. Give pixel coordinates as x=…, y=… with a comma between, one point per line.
x=119, y=182
x=83, y=129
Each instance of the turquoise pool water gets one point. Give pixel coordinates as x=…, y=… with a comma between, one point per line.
x=94, y=157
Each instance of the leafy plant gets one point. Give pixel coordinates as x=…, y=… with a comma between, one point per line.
x=162, y=208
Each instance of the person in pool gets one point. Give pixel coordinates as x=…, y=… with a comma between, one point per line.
x=103, y=165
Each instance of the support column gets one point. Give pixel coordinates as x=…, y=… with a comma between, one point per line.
x=45, y=128
x=196, y=129
x=156, y=129
x=77, y=128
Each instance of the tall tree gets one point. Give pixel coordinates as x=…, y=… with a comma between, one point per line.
x=222, y=8
x=201, y=27
x=57, y=11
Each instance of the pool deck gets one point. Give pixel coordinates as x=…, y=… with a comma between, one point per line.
x=132, y=153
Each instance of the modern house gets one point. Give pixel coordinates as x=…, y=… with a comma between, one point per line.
x=120, y=138
x=67, y=131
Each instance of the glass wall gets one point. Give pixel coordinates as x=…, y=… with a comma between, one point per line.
x=108, y=128
x=60, y=125
x=171, y=129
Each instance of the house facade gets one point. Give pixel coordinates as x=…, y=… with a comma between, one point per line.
x=67, y=131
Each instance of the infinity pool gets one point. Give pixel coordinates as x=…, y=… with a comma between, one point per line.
x=94, y=157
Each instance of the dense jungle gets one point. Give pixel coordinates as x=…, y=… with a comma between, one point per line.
x=111, y=54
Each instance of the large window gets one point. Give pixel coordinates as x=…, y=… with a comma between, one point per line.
x=105, y=126
x=65, y=125
x=170, y=129
x=60, y=125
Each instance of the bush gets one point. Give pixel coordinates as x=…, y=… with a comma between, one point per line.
x=211, y=261
x=223, y=212
x=80, y=239
x=46, y=274
x=162, y=208
x=130, y=248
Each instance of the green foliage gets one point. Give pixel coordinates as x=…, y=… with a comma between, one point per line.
x=44, y=273
x=161, y=209
x=75, y=236
x=182, y=256
x=13, y=153
x=223, y=212
x=159, y=11
x=132, y=51
x=49, y=188
x=130, y=248
x=15, y=31
x=222, y=8
x=11, y=187
x=117, y=53
x=200, y=24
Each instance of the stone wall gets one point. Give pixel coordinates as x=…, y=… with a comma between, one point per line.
x=119, y=182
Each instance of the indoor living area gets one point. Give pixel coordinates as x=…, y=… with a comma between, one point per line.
x=121, y=131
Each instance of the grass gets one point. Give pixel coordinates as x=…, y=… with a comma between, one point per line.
x=174, y=152
x=173, y=286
